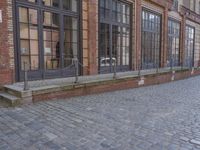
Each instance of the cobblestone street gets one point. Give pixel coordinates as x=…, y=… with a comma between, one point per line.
x=161, y=117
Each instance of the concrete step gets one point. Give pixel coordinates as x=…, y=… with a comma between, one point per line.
x=7, y=99
x=12, y=91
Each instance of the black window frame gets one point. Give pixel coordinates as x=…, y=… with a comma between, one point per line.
x=111, y=22
x=156, y=63
x=172, y=61
x=189, y=60
x=41, y=73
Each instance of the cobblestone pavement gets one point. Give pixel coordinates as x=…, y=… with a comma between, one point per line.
x=161, y=117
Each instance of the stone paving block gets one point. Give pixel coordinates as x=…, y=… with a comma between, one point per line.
x=161, y=117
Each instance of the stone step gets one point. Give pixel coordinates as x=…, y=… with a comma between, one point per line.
x=12, y=91
x=7, y=99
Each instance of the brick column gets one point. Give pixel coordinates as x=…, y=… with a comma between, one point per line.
x=93, y=36
x=164, y=51
x=182, y=40
x=6, y=44
x=138, y=50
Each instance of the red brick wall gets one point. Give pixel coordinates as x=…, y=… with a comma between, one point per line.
x=112, y=85
x=6, y=71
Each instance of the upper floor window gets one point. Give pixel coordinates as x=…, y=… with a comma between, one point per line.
x=115, y=10
x=69, y=5
x=175, y=5
x=54, y=3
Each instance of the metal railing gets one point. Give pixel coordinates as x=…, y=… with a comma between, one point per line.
x=76, y=65
x=26, y=86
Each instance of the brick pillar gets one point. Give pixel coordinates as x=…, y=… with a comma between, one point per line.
x=6, y=44
x=164, y=51
x=138, y=50
x=93, y=36
x=182, y=40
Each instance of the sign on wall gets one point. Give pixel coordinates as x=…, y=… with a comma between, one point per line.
x=1, y=20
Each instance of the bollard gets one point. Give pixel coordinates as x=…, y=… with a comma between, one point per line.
x=76, y=70
x=114, y=69
x=26, y=87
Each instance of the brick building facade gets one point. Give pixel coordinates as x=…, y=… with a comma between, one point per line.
x=42, y=36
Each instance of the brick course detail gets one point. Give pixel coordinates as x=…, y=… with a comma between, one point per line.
x=6, y=43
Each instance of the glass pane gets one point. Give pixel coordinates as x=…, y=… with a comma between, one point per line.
x=34, y=62
x=24, y=47
x=55, y=36
x=70, y=39
x=25, y=62
x=34, y=47
x=33, y=32
x=34, y=1
x=47, y=48
x=51, y=62
x=33, y=16
x=51, y=35
x=55, y=49
x=54, y=3
x=55, y=20
x=47, y=34
x=47, y=18
x=189, y=44
x=150, y=40
x=29, y=38
x=104, y=45
x=23, y=15
x=68, y=52
x=70, y=5
x=24, y=31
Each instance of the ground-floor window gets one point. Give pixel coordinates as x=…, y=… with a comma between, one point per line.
x=114, y=35
x=47, y=37
x=151, y=39
x=189, y=46
x=173, y=57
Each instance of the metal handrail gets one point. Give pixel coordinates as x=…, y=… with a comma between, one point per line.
x=26, y=86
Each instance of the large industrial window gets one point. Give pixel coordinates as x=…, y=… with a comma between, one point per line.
x=173, y=57
x=114, y=35
x=189, y=46
x=151, y=27
x=28, y=25
x=48, y=37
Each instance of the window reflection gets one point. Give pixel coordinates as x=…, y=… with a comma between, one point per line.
x=189, y=47
x=28, y=38
x=54, y=3
x=70, y=39
x=150, y=40
x=51, y=42
x=117, y=48
x=173, y=43
x=70, y=5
